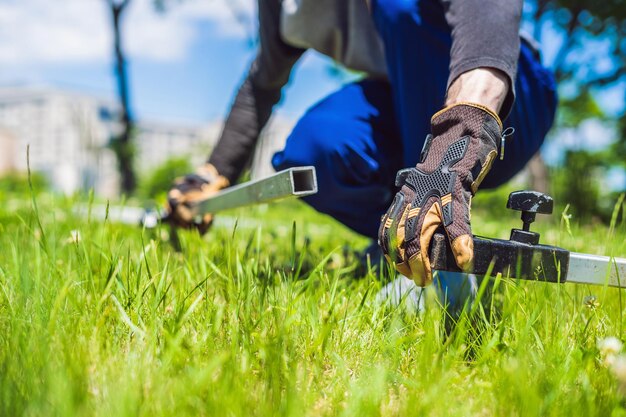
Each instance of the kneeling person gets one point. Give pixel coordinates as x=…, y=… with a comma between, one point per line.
x=433, y=66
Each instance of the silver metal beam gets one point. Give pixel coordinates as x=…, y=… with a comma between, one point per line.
x=292, y=182
x=596, y=270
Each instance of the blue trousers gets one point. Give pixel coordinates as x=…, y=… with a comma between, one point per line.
x=360, y=136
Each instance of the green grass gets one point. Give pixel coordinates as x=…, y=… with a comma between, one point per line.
x=271, y=320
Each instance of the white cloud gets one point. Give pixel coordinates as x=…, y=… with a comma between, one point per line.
x=231, y=18
x=76, y=31
x=43, y=31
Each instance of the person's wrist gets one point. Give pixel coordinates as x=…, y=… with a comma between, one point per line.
x=485, y=86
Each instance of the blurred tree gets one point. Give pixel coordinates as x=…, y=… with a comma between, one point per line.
x=539, y=177
x=579, y=22
x=591, y=57
x=122, y=144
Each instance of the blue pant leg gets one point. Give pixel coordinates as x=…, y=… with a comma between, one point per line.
x=352, y=140
x=417, y=51
x=455, y=290
x=532, y=117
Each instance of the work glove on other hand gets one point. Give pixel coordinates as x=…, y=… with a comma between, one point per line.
x=438, y=191
x=185, y=191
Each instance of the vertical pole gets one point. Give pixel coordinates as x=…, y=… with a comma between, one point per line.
x=123, y=143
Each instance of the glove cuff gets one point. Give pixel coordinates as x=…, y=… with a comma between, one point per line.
x=465, y=107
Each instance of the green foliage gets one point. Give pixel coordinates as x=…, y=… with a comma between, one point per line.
x=99, y=319
x=617, y=151
x=576, y=184
x=592, y=57
x=17, y=183
x=492, y=202
x=579, y=182
x=579, y=22
x=155, y=184
x=574, y=111
x=598, y=15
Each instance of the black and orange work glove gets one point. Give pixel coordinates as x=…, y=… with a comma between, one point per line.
x=192, y=188
x=438, y=191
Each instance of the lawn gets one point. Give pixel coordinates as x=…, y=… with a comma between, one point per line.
x=269, y=317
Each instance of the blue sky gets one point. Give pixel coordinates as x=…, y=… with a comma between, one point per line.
x=184, y=65
x=201, y=86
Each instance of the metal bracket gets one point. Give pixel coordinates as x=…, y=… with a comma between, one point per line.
x=510, y=258
x=292, y=182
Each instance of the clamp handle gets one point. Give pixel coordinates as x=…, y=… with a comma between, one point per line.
x=522, y=256
x=530, y=203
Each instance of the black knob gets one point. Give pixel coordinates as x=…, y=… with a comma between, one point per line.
x=529, y=203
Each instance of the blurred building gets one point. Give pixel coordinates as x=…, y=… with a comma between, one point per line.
x=8, y=144
x=68, y=136
x=66, y=133
x=157, y=142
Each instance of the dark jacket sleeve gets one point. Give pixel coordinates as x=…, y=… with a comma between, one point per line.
x=256, y=97
x=485, y=33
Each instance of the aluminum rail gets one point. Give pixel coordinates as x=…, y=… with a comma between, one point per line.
x=596, y=270
x=292, y=182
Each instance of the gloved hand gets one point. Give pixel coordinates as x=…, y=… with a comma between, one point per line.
x=205, y=182
x=438, y=191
